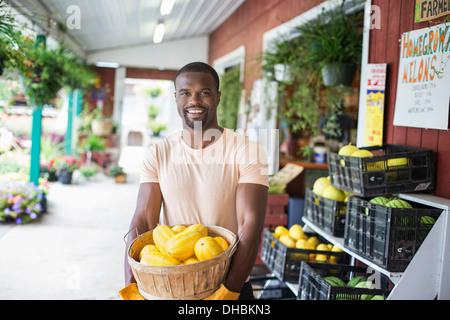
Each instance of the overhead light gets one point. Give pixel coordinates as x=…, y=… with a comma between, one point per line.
x=166, y=7
x=107, y=64
x=159, y=33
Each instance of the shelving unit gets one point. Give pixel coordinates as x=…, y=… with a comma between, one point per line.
x=427, y=276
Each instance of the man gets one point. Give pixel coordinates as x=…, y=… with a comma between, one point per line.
x=205, y=174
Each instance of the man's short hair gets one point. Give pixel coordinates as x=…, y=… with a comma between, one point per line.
x=199, y=67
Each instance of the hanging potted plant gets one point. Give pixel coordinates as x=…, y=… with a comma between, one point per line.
x=7, y=35
x=101, y=125
x=78, y=75
x=332, y=43
x=42, y=70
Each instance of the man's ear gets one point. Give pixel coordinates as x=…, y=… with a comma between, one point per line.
x=218, y=96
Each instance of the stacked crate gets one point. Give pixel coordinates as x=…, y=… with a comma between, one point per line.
x=276, y=215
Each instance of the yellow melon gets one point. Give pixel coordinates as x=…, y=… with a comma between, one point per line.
x=178, y=228
x=198, y=227
x=147, y=249
x=190, y=260
x=314, y=241
x=161, y=234
x=159, y=259
x=207, y=248
x=280, y=230
x=287, y=241
x=296, y=232
x=181, y=245
x=223, y=243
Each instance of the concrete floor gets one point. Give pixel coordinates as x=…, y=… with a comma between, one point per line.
x=76, y=250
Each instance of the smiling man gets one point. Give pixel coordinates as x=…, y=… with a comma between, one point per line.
x=205, y=174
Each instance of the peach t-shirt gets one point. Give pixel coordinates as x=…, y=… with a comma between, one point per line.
x=199, y=185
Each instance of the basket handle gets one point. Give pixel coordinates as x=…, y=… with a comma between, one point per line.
x=231, y=250
x=137, y=235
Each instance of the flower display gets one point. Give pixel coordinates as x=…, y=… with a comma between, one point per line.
x=67, y=163
x=48, y=166
x=21, y=202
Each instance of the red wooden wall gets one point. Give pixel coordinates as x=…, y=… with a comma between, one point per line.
x=247, y=25
x=397, y=17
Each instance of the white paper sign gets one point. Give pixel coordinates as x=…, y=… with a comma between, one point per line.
x=423, y=90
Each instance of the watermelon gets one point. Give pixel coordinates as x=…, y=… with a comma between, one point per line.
x=366, y=285
x=355, y=281
x=380, y=200
x=427, y=220
x=335, y=281
x=399, y=203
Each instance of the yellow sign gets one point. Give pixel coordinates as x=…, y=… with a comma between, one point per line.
x=376, y=82
x=374, y=118
x=431, y=9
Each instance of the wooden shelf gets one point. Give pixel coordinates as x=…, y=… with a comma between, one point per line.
x=307, y=165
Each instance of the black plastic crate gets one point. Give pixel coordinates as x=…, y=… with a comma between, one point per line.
x=284, y=262
x=325, y=213
x=392, y=169
x=389, y=237
x=313, y=286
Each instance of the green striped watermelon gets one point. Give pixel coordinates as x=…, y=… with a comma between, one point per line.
x=427, y=220
x=381, y=200
x=399, y=203
x=335, y=281
x=355, y=281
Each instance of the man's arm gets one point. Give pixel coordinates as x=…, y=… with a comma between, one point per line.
x=146, y=217
x=251, y=204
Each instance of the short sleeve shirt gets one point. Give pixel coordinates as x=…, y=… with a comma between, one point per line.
x=199, y=185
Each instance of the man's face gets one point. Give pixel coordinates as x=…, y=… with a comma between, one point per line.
x=197, y=100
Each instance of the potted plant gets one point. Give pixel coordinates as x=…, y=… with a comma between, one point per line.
x=42, y=71
x=92, y=143
x=101, y=124
x=332, y=43
x=65, y=166
x=89, y=170
x=78, y=75
x=157, y=127
x=118, y=174
x=152, y=111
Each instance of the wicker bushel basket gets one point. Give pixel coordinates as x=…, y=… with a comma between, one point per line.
x=183, y=282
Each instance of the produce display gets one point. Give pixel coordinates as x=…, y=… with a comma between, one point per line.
x=322, y=187
x=295, y=237
x=359, y=196
x=356, y=282
x=396, y=202
x=181, y=245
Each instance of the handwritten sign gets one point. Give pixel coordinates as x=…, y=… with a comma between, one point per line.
x=376, y=84
x=286, y=174
x=423, y=90
x=431, y=9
